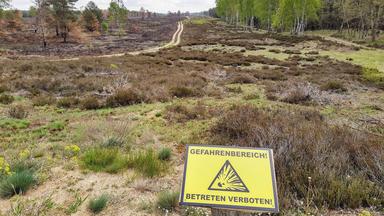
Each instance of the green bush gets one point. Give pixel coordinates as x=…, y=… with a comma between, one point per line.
x=103, y=160
x=165, y=154
x=147, y=163
x=167, y=200
x=17, y=183
x=97, y=205
x=6, y=99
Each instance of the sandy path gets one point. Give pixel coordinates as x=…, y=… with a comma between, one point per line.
x=176, y=39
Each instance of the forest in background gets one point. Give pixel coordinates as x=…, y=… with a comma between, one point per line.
x=359, y=19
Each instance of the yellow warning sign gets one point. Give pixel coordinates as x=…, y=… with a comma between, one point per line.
x=229, y=178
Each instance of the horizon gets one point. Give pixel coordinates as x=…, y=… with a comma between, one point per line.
x=151, y=5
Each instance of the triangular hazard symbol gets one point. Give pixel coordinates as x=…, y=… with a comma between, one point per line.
x=228, y=180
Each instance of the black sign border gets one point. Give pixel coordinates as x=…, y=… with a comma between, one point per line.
x=257, y=209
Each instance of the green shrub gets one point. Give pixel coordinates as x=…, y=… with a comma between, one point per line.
x=124, y=97
x=103, y=160
x=97, y=205
x=147, y=163
x=167, y=200
x=105, y=26
x=90, y=103
x=17, y=183
x=165, y=154
x=18, y=112
x=6, y=99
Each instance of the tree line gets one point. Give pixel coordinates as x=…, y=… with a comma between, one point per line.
x=360, y=18
x=61, y=17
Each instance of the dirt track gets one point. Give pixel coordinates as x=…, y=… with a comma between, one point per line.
x=176, y=39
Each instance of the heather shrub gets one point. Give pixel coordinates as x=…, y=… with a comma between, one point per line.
x=67, y=102
x=18, y=112
x=6, y=99
x=124, y=97
x=332, y=165
x=182, y=92
x=333, y=86
x=90, y=103
x=43, y=100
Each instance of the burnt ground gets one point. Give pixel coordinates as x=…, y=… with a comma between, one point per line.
x=138, y=34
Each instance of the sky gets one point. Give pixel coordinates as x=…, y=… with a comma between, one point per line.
x=162, y=6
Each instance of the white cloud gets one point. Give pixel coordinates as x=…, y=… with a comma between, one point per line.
x=152, y=5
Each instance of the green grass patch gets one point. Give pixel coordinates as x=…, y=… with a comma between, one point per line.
x=167, y=200
x=8, y=123
x=199, y=21
x=97, y=205
x=17, y=183
x=103, y=160
x=147, y=163
x=165, y=154
x=374, y=76
x=366, y=58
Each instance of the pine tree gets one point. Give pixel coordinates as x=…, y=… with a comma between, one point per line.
x=63, y=12
x=92, y=17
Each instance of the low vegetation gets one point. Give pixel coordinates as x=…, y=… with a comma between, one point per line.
x=103, y=160
x=311, y=165
x=165, y=154
x=98, y=204
x=167, y=201
x=147, y=163
x=20, y=178
x=119, y=125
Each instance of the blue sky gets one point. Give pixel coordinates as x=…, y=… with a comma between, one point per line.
x=152, y=5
